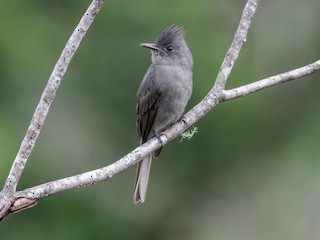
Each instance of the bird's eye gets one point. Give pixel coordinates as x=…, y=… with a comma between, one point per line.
x=170, y=48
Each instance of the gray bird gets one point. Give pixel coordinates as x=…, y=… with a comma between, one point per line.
x=162, y=96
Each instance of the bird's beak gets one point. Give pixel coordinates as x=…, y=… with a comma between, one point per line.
x=151, y=46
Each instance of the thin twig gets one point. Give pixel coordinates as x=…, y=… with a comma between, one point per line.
x=270, y=81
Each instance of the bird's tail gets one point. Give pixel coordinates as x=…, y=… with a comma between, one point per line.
x=142, y=178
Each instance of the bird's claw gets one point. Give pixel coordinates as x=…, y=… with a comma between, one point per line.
x=158, y=136
x=184, y=120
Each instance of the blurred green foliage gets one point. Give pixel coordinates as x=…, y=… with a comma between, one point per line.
x=252, y=170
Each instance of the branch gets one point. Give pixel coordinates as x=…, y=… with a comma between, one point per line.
x=215, y=94
x=233, y=53
x=136, y=155
x=30, y=196
x=270, y=81
x=37, y=121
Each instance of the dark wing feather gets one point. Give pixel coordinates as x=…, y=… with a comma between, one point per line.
x=147, y=106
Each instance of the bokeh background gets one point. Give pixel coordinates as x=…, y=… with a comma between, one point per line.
x=251, y=172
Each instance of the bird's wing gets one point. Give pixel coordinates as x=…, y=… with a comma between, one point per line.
x=147, y=105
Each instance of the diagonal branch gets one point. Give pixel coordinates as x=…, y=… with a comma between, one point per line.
x=233, y=52
x=133, y=157
x=46, y=99
x=215, y=94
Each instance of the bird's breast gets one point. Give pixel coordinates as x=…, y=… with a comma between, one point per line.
x=174, y=78
x=175, y=87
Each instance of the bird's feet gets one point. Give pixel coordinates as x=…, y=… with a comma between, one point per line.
x=158, y=136
x=184, y=120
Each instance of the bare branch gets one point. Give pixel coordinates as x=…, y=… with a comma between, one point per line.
x=214, y=96
x=49, y=94
x=23, y=199
x=270, y=81
x=90, y=177
x=239, y=38
x=136, y=155
x=46, y=99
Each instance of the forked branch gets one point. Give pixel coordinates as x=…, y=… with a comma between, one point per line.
x=12, y=201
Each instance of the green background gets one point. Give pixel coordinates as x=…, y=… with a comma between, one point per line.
x=251, y=172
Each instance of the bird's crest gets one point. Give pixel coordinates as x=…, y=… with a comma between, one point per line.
x=169, y=35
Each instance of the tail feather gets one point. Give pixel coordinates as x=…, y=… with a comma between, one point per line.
x=143, y=171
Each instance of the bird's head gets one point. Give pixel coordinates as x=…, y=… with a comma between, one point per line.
x=170, y=48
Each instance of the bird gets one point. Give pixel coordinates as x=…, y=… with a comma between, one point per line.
x=162, y=95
